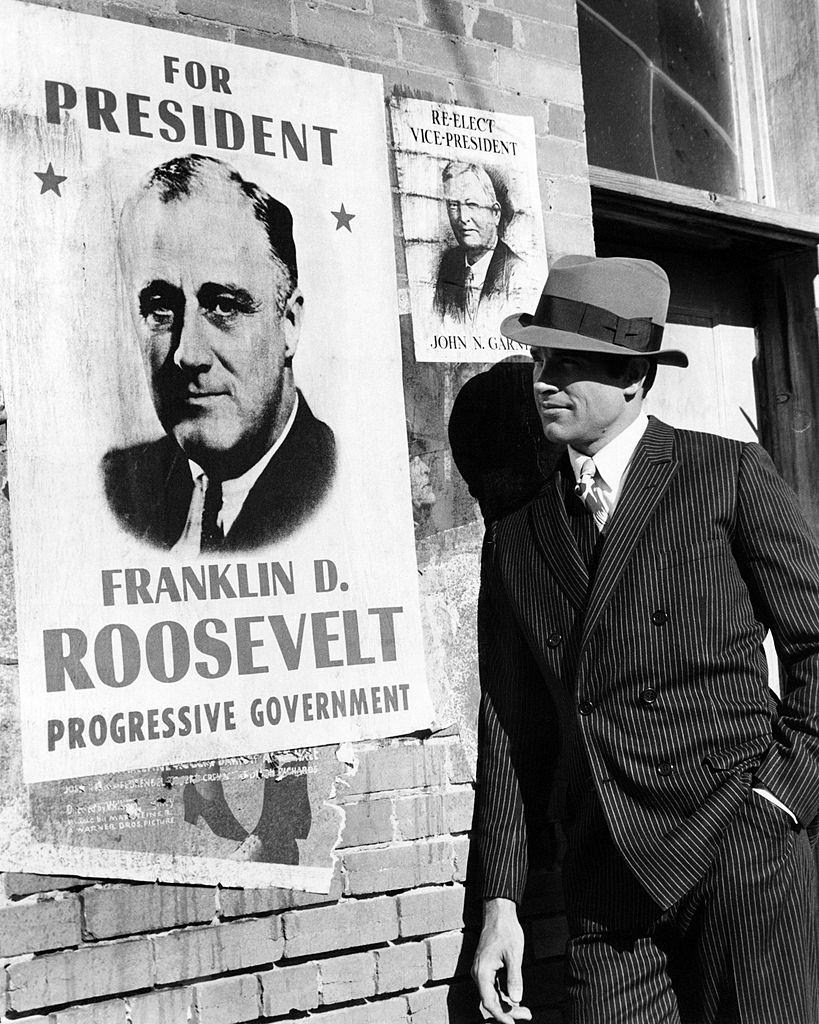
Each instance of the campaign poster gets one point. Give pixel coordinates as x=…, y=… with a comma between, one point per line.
x=472, y=225
x=208, y=475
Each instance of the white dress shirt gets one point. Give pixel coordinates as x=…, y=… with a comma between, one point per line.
x=612, y=462
x=234, y=494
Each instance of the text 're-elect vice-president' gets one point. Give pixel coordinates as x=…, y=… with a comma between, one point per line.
x=625, y=689
x=209, y=265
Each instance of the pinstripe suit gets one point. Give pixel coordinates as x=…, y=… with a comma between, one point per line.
x=645, y=687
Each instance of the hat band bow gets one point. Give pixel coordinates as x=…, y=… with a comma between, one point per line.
x=640, y=334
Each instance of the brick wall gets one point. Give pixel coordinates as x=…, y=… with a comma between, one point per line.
x=392, y=942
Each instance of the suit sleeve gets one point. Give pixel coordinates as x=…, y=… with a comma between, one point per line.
x=508, y=740
x=780, y=558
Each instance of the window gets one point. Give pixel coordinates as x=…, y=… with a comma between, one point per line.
x=659, y=91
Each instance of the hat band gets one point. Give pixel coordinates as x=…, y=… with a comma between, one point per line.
x=640, y=334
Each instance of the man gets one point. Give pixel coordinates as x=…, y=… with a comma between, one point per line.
x=481, y=271
x=209, y=265
x=622, y=619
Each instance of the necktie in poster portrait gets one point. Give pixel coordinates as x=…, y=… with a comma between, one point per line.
x=625, y=689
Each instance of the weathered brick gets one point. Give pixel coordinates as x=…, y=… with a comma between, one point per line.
x=344, y=978
x=560, y=157
x=567, y=122
x=493, y=27
x=109, y=1011
x=541, y=78
x=458, y=765
x=286, y=989
x=288, y=45
x=169, y=22
x=557, y=42
x=450, y=954
x=450, y=54
x=16, y=884
x=410, y=765
x=33, y=927
x=398, y=867
x=228, y=1000
x=85, y=973
x=170, y=1006
x=435, y=909
x=549, y=937
x=256, y=14
x=366, y=822
x=559, y=12
x=429, y=1005
x=407, y=82
x=244, y=902
x=570, y=197
x=459, y=805
x=124, y=910
x=344, y=926
x=460, y=856
x=434, y=814
x=400, y=967
x=397, y=10
x=447, y=18
x=353, y=31
x=384, y=1011
x=567, y=234
x=420, y=816
x=198, y=952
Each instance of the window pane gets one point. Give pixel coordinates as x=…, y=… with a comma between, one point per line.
x=658, y=90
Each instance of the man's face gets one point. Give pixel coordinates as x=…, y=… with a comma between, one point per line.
x=205, y=299
x=473, y=216
x=582, y=399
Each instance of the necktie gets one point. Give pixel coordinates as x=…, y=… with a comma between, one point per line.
x=590, y=491
x=211, y=536
x=469, y=294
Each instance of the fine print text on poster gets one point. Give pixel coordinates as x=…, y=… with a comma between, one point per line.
x=472, y=224
x=213, y=545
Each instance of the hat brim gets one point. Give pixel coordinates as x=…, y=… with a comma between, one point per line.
x=549, y=337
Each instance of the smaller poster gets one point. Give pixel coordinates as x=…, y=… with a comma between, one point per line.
x=473, y=228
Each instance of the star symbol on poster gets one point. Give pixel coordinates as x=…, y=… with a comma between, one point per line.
x=343, y=218
x=51, y=181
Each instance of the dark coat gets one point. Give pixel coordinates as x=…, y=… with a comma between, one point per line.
x=149, y=487
x=651, y=681
x=450, y=293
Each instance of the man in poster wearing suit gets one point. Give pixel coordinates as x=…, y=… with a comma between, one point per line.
x=622, y=618
x=209, y=265
x=481, y=271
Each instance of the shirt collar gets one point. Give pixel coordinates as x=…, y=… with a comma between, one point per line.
x=480, y=268
x=613, y=459
x=241, y=485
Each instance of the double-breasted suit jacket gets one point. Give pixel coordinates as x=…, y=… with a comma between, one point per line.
x=650, y=678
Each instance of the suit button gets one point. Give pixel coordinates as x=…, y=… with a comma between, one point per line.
x=553, y=639
x=660, y=617
x=585, y=707
x=648, y=696
x=664, y=768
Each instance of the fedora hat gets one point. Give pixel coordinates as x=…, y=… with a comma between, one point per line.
x=613, y=306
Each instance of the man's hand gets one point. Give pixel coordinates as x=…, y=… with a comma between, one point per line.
x=500, y=946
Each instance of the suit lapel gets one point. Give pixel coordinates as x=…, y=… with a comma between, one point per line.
x=550, y=526
x=648, y=479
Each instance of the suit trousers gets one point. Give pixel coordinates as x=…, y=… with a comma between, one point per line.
x=739, y=948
